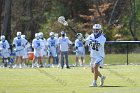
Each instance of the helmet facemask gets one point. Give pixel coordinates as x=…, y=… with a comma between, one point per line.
x=79, y=36
x=52, y=35
x=96, y=31
x=37, y=36
x=63, y=34
x=18, y=35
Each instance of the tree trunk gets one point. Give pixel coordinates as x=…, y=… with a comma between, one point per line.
x=6, y=28
x=1, y=4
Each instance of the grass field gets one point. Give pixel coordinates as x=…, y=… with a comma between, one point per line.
x=113, y=59
x=120, y=79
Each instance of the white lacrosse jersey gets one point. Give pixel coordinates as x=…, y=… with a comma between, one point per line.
x=44, y=46
x=64, y=43
x=44, y=42
x=37, y=44
x=98, y=51
x=52, y=46
x=79, y=44
x=4, y=45
x=27, y=47
x=52, y=43
x=19, y=43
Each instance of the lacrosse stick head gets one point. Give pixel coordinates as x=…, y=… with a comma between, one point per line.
x=62, y=20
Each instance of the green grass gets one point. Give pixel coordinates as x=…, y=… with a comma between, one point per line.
x=120, y=79
x=110, y=59
x=113, y=59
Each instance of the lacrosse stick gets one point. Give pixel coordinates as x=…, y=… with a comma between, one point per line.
x=62, y=20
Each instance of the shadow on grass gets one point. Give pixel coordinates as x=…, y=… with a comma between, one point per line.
x=113, y=86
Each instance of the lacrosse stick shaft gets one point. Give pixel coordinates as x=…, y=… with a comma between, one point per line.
x=72, y=29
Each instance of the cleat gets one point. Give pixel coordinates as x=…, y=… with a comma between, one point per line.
x=102, y=81
x=20, y=66
x=93, y=85
x=14, y=66
x=68, y=67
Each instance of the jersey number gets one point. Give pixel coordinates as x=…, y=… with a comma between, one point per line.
x=80, y=45
x=38, y=44
x=18, y=43
x=4, y=45
x=95, y=47
x=52, y=43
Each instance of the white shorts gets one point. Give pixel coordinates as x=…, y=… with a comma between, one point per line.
x=53, y=53
x=25, y=54
x=43, y=52
x=38, y=53
x=20, y=53
x=5, y=53
x=97, y=60
x=80, y=53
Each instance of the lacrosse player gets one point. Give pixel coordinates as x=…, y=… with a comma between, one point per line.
x=25, y=56
x=19, y=44
x=5, y=50
x=57, y=58
x=96, y=41
x=80, y=49
x=44, y=49
x=64, y=43
x=38, y=45
x=52, y=45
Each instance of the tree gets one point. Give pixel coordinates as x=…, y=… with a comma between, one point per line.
x=1, y=7
x=6, y=26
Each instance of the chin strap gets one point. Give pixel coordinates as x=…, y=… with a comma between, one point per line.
x=3, y=40
x=99, y=34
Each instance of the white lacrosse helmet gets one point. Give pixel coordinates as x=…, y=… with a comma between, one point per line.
x=79, y=36
x=2, y=37
x=37, y=35
x=23, y=36
x=97, y=28
x=40, y=34
x=18, y=33
x=56, y=35
x=51, y=33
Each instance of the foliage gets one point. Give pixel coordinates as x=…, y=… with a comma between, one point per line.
x=32, y=16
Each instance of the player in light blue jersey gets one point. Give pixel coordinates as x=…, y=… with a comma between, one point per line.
x=80, y=50
x=57, y=58
x=37, y=44
x=44, y=49
x=52, y=45
x=25, y=56
x=19, y=44
x=5, y=50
